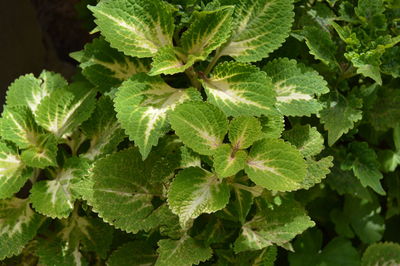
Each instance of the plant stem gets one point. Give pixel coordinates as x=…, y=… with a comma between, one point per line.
x=191, y=74
x=213, y=62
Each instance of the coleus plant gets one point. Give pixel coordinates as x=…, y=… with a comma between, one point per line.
x=190, y=138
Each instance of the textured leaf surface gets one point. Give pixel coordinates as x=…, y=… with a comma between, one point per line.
x=244, y=131
x=273, y=226
x=272, y=125
x=260, y=27
x=316, y=171
x=183, y=252
x=106, y=67
x=307, y=139
x=201, y=126
x=55, y=198
x=54, y=253
x=63, y=110
x=167, y=61
x=381, y=254
x=320, y=44
x=136, y=27
x=208, y=30
x=276, y=165
x=13, y=172
x=227, y=161
x=295, y=87
x=18, y=225
x=365, y=166
x=43, y=154
x=134, y=253
x=240, y=89
x=142, y=104
x=102, y=129
x=124, y=187
x=195, y=191
x=339, y=116
x=29, y=91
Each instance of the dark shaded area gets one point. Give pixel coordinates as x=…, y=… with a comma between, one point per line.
x=37, y=35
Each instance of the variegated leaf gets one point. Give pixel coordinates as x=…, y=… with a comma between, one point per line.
x=240, y=89
x=244, y=131
x=228, y=161
x=201, y=126
x=195, y=191
x=260, y=27
x=296, y=87
x=142, y=104
x=136, y=27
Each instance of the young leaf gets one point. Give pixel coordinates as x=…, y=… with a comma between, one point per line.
x=19, y=224
x=63, y=110
x=142, y=104
x=123, y=182
x=167, y=61
x=227, y=161
x=136, y=27
x=307, y=139
x=295, y=87
x=102, y=129
x=276, y=165
x=29, y=91
x=55, y=198
x=105, y=67
x=13, y=172
x=320, y=44
x=201, y=126
x=244, y=131
x=316, y=171
x=272, y=125
x=381, y=254
x=195, y=191
x=273, y=226
x=240, y=89
x=43, y=154
x=260, y=27
x=182, y=252
x=340, y=115
x=208, y=30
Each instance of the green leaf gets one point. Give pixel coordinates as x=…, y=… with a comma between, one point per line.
x=277, y=225
x=340, y=115
x=43, y=154
x=18, y=225
x=136, y=27
x=167, y=61
x=189, y=158
x=228, y=161
x=122, y=182
x=64, y=109
x=390, y=62
x=316, y=171
x=142, y=104
x=182, y=252
x=385, y=113
x=55, y=198
x=54, y=253
x=18, y=125
x=207, y=31
x=307, y=139
x=134, y=253
x=240, y=89
x=272, y=125
x=244, y=131
x=371, y=13
x=105, y=67
x=381, y=254
x=195, y=191
x=13, y=172
x=276, y=165
x=201, y=126
x=365, y=219
x=29, y=91
x=260, y=27
x=365, y=166
x=320, y=44
x=295, y=87
x=102, y=129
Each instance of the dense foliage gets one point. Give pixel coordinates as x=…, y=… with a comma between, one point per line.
x=225, y=132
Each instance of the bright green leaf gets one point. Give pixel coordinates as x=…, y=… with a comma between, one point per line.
x=244, y=131
x=307, y=139
x=381, y=254
x=228, y=161
x=43, y=154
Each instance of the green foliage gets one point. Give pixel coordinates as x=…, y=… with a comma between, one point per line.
x=195, y=134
